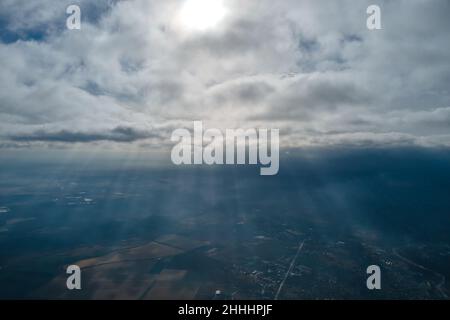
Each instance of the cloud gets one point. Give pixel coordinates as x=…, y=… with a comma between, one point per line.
x=119, y=134
x=310, y=68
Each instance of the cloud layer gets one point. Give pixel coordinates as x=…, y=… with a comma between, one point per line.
x=310, y=68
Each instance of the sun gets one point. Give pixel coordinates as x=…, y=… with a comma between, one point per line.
x=201, y=15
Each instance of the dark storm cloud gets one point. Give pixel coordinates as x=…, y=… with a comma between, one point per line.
x=312, y=95
x=119, y=134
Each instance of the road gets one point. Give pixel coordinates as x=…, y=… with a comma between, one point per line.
x=437, y=274
x=291, y=266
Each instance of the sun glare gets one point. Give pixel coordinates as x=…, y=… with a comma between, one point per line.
x=201, y=15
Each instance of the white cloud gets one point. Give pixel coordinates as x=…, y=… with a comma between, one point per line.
x=310, y=68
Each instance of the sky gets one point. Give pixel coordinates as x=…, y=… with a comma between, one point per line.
x=138, y=69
